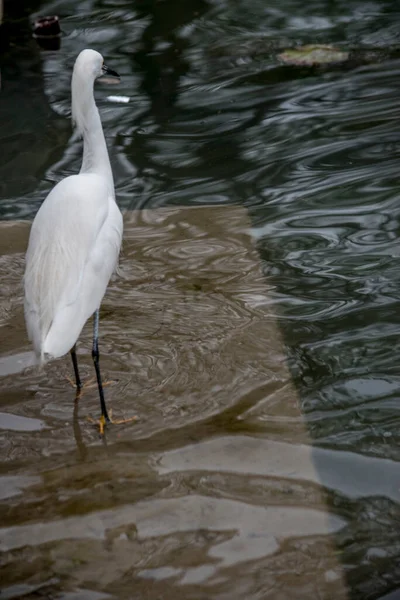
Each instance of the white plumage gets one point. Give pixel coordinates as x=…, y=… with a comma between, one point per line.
x=76, y=235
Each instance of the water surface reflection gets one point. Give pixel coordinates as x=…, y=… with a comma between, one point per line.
x=222, y=488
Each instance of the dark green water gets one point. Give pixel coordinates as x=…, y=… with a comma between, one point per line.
x=213, y=118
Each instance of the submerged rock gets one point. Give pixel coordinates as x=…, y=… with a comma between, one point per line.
x=313, y=55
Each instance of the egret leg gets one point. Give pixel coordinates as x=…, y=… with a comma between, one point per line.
x=76, y=370
x=96, y=356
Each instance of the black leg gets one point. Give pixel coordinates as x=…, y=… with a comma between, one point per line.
x=96, y=356
x=76, y=370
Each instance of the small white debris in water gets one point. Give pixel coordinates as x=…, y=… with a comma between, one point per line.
x=332, y=575
x=123, y=99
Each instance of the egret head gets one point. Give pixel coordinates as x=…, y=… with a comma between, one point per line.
x=90, y=64
x=88, y=67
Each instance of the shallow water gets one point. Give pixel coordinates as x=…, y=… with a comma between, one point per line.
x=253, y=327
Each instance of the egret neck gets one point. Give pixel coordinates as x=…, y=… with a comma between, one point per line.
x=87, y=120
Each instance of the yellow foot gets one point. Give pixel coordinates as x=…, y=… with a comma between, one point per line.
x=102, y=422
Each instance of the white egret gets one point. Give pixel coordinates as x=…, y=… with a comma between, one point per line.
x=75, y=238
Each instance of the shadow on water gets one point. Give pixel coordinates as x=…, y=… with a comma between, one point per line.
x=161, y=52
x=33, y=137
x=222, y=488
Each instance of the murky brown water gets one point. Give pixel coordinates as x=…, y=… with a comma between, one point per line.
x=192, y=348
x=253, y=327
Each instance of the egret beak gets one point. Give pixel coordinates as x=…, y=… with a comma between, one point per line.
x=110, y=72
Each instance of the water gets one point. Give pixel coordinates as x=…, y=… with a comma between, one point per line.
x=254, y=326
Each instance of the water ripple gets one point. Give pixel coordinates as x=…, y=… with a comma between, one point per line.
x=197, y=329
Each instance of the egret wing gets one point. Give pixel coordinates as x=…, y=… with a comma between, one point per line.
x=62, y=240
